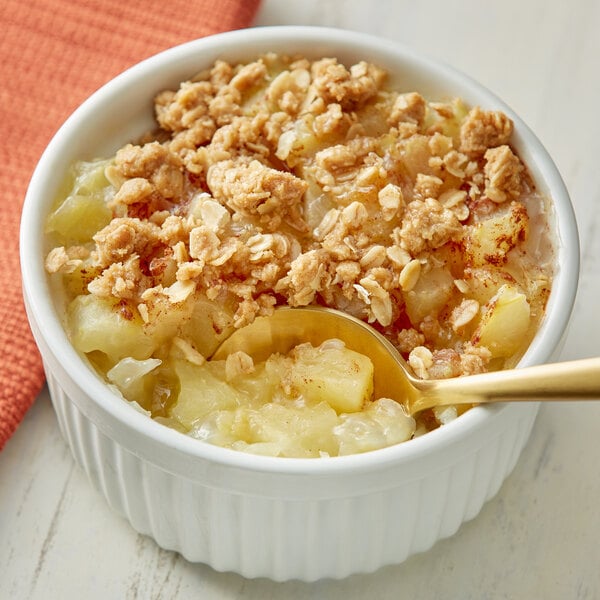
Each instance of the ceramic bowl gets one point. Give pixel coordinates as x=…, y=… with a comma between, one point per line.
x=263, y=516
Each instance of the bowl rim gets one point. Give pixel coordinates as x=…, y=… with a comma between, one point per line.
x=41, y=309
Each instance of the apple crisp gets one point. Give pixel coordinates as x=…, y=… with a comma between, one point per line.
x=289, y=181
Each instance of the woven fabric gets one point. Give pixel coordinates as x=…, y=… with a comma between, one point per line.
x=54, y=54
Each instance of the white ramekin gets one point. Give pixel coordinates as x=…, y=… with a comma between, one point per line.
x=261, y=516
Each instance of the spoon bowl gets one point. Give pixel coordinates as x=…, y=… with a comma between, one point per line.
x=393, y=377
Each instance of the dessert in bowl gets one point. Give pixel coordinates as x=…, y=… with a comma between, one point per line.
x=292, y=515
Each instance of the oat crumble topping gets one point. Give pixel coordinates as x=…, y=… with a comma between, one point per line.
x=291, y=182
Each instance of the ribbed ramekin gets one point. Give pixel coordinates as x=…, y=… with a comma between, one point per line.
x=260, y=516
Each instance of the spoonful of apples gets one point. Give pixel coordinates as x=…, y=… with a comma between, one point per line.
x=393, y=377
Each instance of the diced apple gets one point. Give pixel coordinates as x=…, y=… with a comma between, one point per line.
x=84, y=211
x=208, y=325
x=489, y=241
x=301, y=431
x=415, y=153
x=484, y=283
x=431, y=292
x=78, y=218
x=339, y=376
x=203, y=391
x=505, y=322
x=383, y=423
x=98, y=324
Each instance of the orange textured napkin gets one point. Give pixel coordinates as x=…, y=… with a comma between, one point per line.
x=53, y=54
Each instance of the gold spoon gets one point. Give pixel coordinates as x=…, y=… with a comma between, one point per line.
x=288, y=327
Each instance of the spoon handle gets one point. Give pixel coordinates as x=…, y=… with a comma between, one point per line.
x=573, y=380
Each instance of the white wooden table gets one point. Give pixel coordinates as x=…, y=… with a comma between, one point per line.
x=538, y=538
